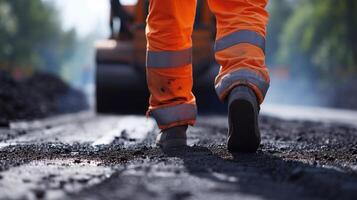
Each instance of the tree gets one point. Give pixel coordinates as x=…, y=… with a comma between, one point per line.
x=279, y=11
x=321, y=36
x=31, y=36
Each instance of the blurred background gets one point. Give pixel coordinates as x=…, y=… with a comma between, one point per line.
x=48, y=54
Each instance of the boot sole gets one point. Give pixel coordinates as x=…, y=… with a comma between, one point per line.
x=244, y=135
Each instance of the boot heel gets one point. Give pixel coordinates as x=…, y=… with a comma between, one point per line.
x=243, y=132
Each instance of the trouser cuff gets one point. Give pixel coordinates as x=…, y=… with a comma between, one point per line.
x=242, y=77
x=177, y=115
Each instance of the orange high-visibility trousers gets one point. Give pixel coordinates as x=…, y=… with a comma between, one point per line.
x=239, y=49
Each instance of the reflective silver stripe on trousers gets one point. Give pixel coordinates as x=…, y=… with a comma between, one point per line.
x=172, y=114
x=243, y=36
x=244, y=76
x=160, y=59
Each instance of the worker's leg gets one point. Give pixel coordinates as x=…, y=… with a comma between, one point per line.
x=240, y=45
x=169, y=69
x=243, y=79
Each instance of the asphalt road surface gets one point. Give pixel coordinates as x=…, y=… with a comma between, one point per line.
x=114, y=157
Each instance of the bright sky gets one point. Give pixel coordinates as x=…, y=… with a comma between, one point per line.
x=86, y=16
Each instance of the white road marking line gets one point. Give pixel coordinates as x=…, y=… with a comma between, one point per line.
x=96, y=131
x=136, y=128
x=311, y=113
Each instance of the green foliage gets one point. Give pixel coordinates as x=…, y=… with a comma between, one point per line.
x=279, y=10
x=321, y=36
x=31, y=36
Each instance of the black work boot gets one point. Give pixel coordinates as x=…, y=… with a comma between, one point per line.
x=172, y=137
x=243, y=110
